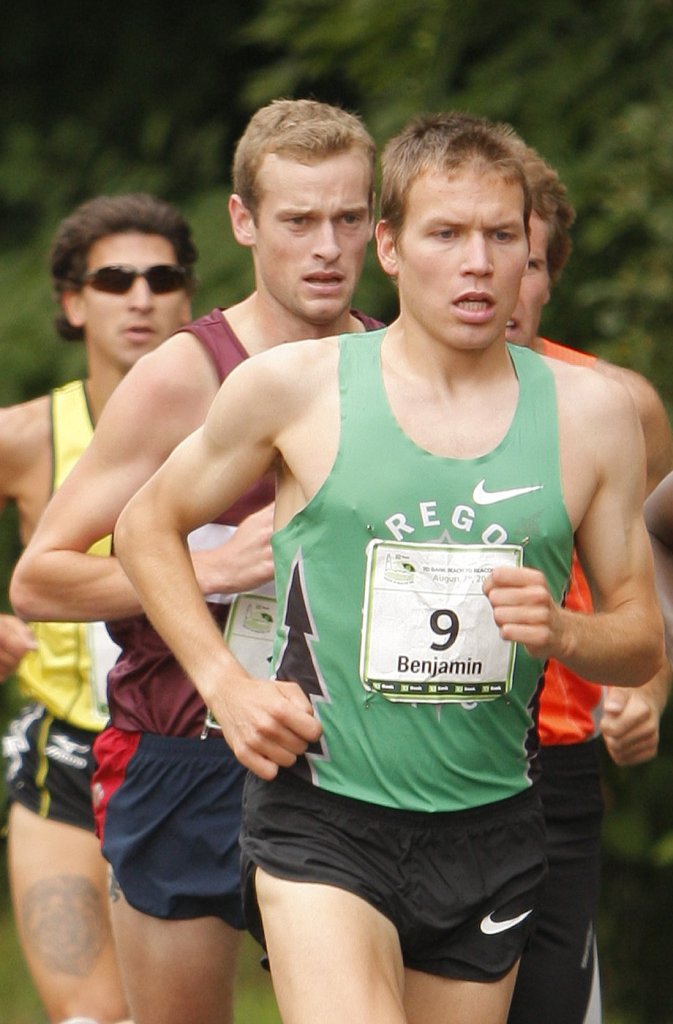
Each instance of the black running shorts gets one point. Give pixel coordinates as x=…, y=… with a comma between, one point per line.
x=460, y=888
x=48, y=766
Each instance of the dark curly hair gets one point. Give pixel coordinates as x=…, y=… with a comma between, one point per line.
x=113, y=215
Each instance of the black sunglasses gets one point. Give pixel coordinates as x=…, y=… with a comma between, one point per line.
x=119, y=278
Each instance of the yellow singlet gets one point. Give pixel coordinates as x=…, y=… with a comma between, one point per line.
x=68, y=671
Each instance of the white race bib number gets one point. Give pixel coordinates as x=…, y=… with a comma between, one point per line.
x=428, y=633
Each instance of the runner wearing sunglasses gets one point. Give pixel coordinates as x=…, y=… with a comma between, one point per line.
x=168, y=801
x=57, y=873
x=119, y=278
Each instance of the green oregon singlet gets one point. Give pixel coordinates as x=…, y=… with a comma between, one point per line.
x=382, y=619
x=67, y=672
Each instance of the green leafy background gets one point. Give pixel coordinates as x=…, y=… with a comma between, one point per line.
x=153, y=96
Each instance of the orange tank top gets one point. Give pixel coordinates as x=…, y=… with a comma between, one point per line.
x=570, y=707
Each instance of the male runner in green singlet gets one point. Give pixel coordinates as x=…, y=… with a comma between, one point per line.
x=122, y=273
x=429, y=486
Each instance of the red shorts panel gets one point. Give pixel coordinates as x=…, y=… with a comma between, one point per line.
x=112, y=749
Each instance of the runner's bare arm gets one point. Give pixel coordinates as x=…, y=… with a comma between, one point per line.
x=25, y=480
x=16, y=639
x=659, y=512
x=622, y=641
x=161, y=400
x=630, y=724
x=653, y=419
x=267, y=724
x=659, y=519
x=630, y=721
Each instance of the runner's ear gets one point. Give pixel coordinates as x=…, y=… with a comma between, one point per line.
x=386, y=247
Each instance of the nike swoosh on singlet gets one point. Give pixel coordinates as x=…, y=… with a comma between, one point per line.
x=491, y=927
x=481, y=496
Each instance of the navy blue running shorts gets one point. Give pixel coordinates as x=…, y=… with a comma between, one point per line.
x=48, y=767
x=461, y=888
x=168, y=814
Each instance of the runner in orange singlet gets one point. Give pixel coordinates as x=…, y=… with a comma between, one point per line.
x=558, y=976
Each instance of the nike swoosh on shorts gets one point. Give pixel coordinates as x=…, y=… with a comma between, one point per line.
x=491, y=927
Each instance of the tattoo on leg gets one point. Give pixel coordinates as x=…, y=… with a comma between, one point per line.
x=64, y=921
x=113, y=886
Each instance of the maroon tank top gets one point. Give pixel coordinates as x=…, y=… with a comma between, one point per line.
x=147, y=689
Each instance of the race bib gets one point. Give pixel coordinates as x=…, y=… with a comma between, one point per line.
x=249, y=633
x=428, y=633
x=250, y=630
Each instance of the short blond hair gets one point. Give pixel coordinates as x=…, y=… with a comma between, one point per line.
x=446, y=142
x=306, y=131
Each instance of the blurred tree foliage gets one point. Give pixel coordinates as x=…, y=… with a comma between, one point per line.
x=153, y=97
x=589, y=85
